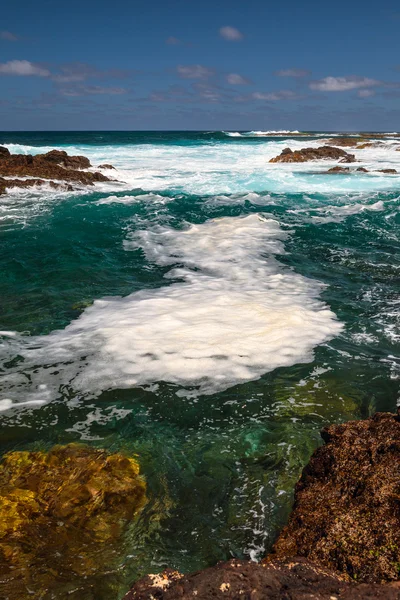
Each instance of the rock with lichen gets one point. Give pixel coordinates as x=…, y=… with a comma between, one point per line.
x=346, y=515
x=62, y=517
x=290, y=579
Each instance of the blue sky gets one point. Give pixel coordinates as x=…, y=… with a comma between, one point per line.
x=185, y=64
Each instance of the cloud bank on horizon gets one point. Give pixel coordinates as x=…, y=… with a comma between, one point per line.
x=219, y=67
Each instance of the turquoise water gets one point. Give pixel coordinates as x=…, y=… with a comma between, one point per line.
x=206, y=310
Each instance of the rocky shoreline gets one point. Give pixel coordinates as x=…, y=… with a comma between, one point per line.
x=343, y=536
x=55, y=168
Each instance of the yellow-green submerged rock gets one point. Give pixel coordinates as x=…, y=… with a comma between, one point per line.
x=63, y=515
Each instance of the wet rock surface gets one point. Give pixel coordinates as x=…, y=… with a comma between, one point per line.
x=339, y=170
x=54, y=165
x=306, y=154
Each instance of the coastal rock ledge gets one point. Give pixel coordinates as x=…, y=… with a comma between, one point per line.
x=55, y=168
x=306, y=154
x=343, y=536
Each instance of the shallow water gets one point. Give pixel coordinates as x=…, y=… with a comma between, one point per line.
x=208, y=311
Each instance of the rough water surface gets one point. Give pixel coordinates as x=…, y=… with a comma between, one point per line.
x=208, y=311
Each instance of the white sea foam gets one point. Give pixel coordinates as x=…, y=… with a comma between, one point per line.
x=152, y=198
x=260, y=133
x=233, y=313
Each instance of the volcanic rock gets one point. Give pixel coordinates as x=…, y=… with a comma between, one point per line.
x=346, y=141
x=293, y=579
x=55, y=165
x=307, y=154
x=362, y=169
x=105, y=167
x=346, y=515
x=4, y=152
x=25, y=183
x=390, y=171
x=339, y=170
x=60, y=157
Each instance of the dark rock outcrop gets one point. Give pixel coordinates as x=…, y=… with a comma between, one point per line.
x=307, y=154
x=346, y=515
x=54, y=165
x=293, y=579
x=362, y=170
x=26, y=183
x=4, y=152
x=345, y=141
x=339, y=170
x=388, y=171
x=106, y=166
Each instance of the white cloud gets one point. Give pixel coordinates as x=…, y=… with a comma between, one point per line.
x=173, y=41
x=84, y=90
x=236, y=79
x=230, y=33
x=23, y=68
x=274, y=96
x=8, y=36
x=194, y=72
x=292, y=73
x=343, y=84
x=366, y=93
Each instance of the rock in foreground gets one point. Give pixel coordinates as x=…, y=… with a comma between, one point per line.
x=306, y=154
x=346, y=515
x=294, y=579
x=343, y=537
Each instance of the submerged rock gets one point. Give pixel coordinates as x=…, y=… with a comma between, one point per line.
x=106, y=166
x=62, y=514
x=362, y=170
x=306, y=154
x=346, y=515
x=388, y=171
x=54, y=165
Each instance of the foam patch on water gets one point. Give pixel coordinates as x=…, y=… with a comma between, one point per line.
x=233, y=313
x=151, y=198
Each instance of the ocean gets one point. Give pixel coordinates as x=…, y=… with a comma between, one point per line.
x=207, y=311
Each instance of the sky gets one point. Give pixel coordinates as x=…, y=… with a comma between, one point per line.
x=210, y=65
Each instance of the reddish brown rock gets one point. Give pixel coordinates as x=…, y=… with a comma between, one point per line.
x=60, y=157
x=25, y=183
x=362, y=169
x=345, y=141
x=293, y=579
x=307, y=154
x=106, y=166
x=346, y=515
x=389, y=171
x=54, y=165
x=339, y=170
